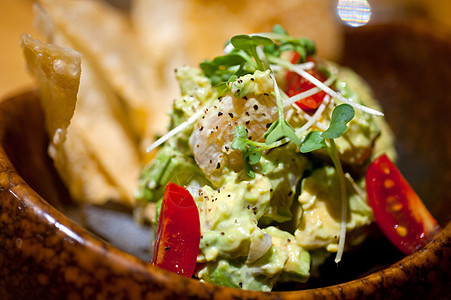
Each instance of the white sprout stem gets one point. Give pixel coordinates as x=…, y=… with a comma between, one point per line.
x=342, y=239
x=175, y=130
x=354, y=185
x=344, y=199
x=278, y=97
x=318, y=123
x=304, y=114
x=334, y=94
x=305, y=66
x=315, y=116
x=307, y=93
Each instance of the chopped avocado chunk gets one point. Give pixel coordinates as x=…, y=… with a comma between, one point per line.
x=284, y=172
x=229, y=216
x=319, y=224
x=235, y=274
x=297, y=263
x=196, y=90
x=284, y=261
x=170, y=165
x=252, y=84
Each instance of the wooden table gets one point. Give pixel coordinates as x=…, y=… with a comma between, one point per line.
x=15, y=19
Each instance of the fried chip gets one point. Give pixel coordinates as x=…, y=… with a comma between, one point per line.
x=58, y=73
x=106, y=39
x=99, y=158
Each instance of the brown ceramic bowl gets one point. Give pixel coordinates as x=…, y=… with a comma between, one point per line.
x=45, y=254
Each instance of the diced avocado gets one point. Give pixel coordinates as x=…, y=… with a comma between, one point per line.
x=356, y=144
x=235, y=274
x=252, y=84
x=319, y=224
x=196, y=90
x=258, y=276
x=385, y=142
x=284, y=260
x=284, y=173
x=170, y=165
x=229, y=216
x=297, y=260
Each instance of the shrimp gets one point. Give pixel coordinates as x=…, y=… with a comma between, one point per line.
x=213, y=133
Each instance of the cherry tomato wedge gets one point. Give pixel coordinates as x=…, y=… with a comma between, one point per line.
x=178, y=234
x=398, y=210
x=297, y=84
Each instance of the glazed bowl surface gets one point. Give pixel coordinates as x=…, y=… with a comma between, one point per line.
x=47, y=249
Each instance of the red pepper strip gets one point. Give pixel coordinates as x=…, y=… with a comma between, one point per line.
x=297, y=84
x=178, y=235
x=398, y=210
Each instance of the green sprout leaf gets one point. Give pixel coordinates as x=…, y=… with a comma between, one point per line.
x=316, y=140
x=279, y=29
x=313, y=141
x=249, y=44
x=279, y=130
x=308, y=45
x=254, y=157
x=222, y=67
x=251, y=154
x=341, y=115
x=240, y=140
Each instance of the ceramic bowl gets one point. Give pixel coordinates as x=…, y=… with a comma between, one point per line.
x=45, y=252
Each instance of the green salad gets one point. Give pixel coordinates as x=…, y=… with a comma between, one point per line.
x=272, y=144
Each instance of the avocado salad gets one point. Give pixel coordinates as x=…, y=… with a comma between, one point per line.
x=273, y=144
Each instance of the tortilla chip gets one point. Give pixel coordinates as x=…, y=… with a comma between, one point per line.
x=106, y=39
x=85, y=180
x=58, y=73
x=104, y=136
x=99, y=160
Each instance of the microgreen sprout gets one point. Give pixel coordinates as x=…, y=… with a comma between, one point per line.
x=316, y=140
x=249, y=44
x=278, y=133
x=280, y=128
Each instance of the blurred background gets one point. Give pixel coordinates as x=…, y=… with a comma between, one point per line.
x=319, y=20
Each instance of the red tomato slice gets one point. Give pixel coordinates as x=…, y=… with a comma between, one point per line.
x=178, y=235
x=398, y=210
x=297, y=84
